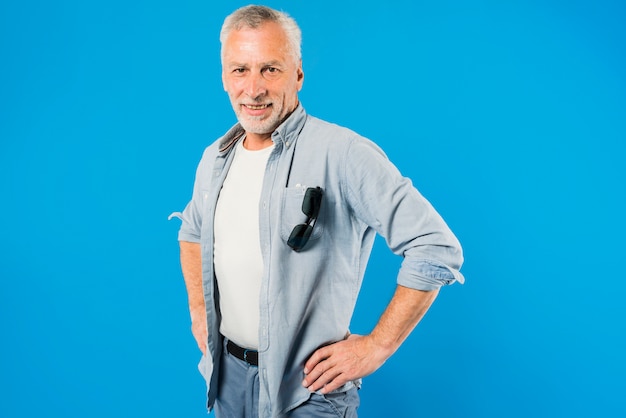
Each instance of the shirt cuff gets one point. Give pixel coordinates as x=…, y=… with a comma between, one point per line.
x=183, y=233
x=427, y=275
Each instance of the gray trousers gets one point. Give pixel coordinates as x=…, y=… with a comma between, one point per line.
x=238, y=395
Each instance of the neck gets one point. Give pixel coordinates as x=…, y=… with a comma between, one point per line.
x=255, y=142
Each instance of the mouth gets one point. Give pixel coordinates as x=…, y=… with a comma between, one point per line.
x=256, y=107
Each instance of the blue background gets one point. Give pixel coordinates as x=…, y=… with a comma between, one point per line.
x=510, y=118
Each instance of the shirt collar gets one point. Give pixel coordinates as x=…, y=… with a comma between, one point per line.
x=286, y=133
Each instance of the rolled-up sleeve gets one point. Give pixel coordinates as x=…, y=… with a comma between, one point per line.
x=191, y=216
x=412, y=228
x=192, y=224
x=427, y=275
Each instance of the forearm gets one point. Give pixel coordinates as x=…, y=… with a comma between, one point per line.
x=332, y=366
x=404, y=311
x=191, y=264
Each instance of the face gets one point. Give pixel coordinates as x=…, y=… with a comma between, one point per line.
x=261, y=77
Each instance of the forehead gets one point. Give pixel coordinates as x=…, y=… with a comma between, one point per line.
x=267, y=42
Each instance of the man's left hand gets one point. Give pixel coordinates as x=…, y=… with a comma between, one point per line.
x=334, y=365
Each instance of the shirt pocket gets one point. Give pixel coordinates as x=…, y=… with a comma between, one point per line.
x=292, y=215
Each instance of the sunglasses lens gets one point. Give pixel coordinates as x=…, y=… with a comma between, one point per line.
x=312, y=201
x=299, y=236
x=311, y=208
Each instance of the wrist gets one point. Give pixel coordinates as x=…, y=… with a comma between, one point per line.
x=384, y=346
x=197, y=312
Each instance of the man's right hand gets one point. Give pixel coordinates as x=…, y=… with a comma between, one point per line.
x=199, y=329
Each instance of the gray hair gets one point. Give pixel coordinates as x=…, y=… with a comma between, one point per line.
x=254, y=16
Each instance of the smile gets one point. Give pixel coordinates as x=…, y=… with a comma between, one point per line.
x=257, y=107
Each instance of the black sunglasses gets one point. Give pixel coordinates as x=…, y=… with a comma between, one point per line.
x=311, y=208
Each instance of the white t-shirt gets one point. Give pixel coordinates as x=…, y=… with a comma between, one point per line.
x=237, y=248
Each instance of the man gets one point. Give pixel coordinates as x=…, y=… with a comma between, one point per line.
x=276, y=237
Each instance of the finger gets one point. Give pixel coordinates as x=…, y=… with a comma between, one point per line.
x=318, y=370
x=325, y=379
x=201, y=336
x=205, y=339
x=318, y=356
x=336, y=383
x=325, y=368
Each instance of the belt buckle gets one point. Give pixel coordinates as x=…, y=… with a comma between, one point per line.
x=245, y=355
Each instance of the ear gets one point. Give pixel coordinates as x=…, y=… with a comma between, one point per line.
x=223, y=81
x=300, y=75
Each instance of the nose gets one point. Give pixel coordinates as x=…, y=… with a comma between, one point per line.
x=255, y=85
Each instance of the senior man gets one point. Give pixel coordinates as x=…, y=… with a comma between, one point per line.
x=276, y=237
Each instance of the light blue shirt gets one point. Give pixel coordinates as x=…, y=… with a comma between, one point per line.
x=307, y=298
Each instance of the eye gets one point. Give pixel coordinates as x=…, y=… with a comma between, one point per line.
x=239, y=70
x=271, y=72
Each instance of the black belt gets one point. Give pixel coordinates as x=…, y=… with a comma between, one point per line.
x=249, y=356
